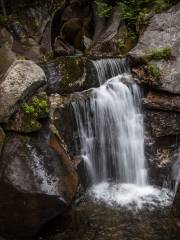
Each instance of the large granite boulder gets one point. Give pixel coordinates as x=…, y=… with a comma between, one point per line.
x=22, y=79
x=37, y=183
x=163, y=31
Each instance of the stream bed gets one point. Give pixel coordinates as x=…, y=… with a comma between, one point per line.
x=96, y=220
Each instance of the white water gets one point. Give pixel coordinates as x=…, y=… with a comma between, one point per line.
x=110, y=125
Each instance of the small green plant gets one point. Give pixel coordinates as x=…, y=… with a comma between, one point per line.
x=36, y=108
x=143, y=17
x=40, y=105
x=103, y=9
x=162, y=5
x=29, y=109
x=157, y=54
x=121, y=44
x=132, y=35
x=153, y=70
x=162, y=53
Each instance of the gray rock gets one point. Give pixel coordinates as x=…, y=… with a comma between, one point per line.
x=37, y=183
x=163, y=30
x=22, y=79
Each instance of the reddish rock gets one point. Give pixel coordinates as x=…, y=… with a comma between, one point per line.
x=37, y=183
x=162, y=101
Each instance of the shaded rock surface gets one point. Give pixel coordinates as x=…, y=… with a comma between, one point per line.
x=37, y=183
x=176, y=203
x=163, y=123
x=162, y=101
x=2, y=138
x=163, y=31
x=23, y=78
x=7, y=57
x=92, y=220
x=161, y=144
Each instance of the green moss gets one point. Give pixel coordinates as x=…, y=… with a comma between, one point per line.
x=157, y=54
x=72, y=69
x=153, y=70
x=29, y=124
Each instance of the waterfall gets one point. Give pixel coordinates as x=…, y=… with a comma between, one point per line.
x=110, y=127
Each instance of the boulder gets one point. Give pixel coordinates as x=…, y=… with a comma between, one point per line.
x=2, y=138
x=70, y=74
x=163, y=30
x=37, y=183
x=162, y=101
x=22, y=79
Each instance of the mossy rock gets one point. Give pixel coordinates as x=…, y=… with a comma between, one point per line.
x=23, y=123
x=26, y=120
x=72, y=74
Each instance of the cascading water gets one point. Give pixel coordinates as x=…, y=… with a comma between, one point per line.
x=110, y=125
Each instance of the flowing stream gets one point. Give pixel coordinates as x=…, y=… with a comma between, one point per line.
x=110, y=126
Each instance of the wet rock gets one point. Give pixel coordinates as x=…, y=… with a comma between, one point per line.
x=176, y=203
x=163, y=123
x=22, y=79
x=163, y=31
x=2, y=138
x=162, y=101
x=38, y=182
x=161, y=144
x=7, y=57
x=63, y=121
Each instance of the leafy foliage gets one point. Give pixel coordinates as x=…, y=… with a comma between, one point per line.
x=103, y=9
x=36, y=108
x=134, y=10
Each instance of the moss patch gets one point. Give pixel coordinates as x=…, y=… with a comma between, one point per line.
x=153, y=70
x=72, y=73
x=157, y=54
